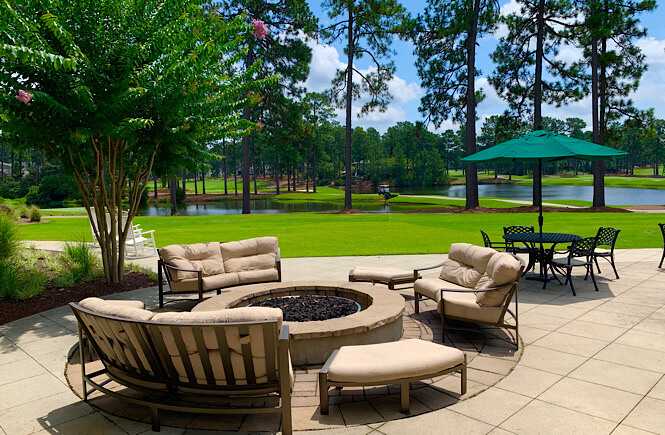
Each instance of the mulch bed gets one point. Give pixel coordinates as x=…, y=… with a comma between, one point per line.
x=53, y=297
x=307, y=308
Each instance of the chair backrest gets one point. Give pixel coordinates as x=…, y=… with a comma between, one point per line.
x=607, y=236
x=662, y=230
x=517, y=229
x=582, y=247
x=486, y=239
x=231, y=357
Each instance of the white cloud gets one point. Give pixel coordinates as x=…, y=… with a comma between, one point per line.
x=653, y=48
x=325, y=62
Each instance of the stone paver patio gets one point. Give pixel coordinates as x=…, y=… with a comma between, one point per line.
x=594, y=363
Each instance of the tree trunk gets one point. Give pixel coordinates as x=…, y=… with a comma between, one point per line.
x=184, y=183
x=349, y=101
x=256, y=192
x=226, y=173
x=314, y=170
x=246, y=114
x=173, y=185
x=599, y=165
x=203, y=181
x=538, y=99
x=288, y=179
x=196, y=184
x=277, y=175
x=471, y=168
x=154, y=180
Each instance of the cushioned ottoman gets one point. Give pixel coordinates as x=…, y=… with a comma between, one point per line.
x=384, y=275
x=397, y=362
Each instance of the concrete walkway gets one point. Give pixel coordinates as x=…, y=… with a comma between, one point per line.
x=592, y=364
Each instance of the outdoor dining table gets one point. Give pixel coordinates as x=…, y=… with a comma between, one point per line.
x=537, y=252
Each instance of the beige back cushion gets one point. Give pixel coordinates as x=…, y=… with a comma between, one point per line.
x=502, y=271
x=205, y=257
x=238, y=339
x=251, y=254
x=124, y=309
x=466, y=264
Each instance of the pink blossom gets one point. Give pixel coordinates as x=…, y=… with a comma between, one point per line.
x=260, y=29
x=24, y=97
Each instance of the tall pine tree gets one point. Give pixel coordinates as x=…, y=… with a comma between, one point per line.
x=528, y=72
x=445, y=38
x=282, y=51
x=608, y=35
x=368, y=28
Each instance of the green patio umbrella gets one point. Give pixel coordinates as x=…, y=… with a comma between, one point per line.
x=543, y=146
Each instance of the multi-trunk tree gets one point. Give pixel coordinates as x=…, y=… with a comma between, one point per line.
x=528, y=71
x=110, y=100
x=366, y=29
x=445, y=37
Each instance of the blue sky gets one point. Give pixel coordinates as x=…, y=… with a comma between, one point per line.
x=406, y=85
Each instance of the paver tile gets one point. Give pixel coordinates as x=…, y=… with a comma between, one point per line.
x=527, y=381
x=649, y=415
x=43, y=413
x=658, y=391
x=550, y=360
x=573, y=344
x=618, y=376
x=540, y=418
x=28, y=390
x=442, y=422
x=633, y=356
x=492, y=407
x=593, y=399
x=643, y=339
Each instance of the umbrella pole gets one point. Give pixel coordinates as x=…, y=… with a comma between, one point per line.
x=540, y=225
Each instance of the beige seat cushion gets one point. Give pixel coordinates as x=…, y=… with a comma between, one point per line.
x=213, y=282
x=242, y=314
x=466, y=264
x=380, y=274
x=252, y=254
x=502, y=271
x=464, y=306
x=431, y=287
x=251, y=276
x=123, y=309
x=205, y=257
x=389, y=362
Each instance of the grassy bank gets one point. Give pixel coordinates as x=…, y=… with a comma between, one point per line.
x=307, y=234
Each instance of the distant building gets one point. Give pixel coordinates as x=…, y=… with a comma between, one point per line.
x=6, y=169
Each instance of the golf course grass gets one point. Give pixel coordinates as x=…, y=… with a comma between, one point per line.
x=313, y=235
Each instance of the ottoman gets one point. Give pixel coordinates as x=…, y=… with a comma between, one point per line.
x=384, y=275
x=397, y=362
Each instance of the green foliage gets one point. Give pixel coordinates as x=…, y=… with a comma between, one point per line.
x=79, y=263
x=21, y=210
x=9, y=237
x=154, y=83
x=34, y=214
x=17, y=282
x=54, y=189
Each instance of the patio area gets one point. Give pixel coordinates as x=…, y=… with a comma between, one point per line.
x=594, y=363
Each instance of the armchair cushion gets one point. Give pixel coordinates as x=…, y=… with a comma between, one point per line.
x=466, y=264
x=431, y=287
x=209, y=283
x=205, y=257
x=502, y=271
x=464, y=305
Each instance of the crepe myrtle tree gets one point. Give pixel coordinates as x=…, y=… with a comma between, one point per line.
x=109, y=101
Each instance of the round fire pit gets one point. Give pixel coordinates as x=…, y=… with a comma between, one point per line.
x=308, y=308
x=379, y=319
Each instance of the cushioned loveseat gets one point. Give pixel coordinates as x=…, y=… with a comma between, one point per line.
x=476, y=284
x=202, y=267
x=206, y=362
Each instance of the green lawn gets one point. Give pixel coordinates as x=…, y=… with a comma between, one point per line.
x=306, y=234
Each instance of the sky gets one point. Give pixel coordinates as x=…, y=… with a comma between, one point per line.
x=406, y=90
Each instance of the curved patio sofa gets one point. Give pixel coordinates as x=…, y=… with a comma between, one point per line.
x=207, y=362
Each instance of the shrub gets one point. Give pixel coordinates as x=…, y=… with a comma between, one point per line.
x=9, y=240
x=21, y=210
x=35, y=214
x=32, y=197
x=56, y=189
x=18, y=283
x=179, y=194
x=80, y=263
x=5, y=209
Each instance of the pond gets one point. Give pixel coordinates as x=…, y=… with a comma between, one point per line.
x=261, y=206
x=613, y=195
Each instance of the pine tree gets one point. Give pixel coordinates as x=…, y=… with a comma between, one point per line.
x=608, y=35
x=525, y=54
x=368, y=27
x=445, y=37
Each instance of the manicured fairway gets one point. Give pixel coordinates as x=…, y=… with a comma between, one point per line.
x=307, y=234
